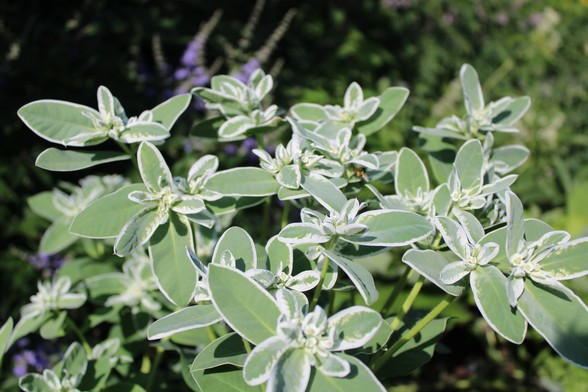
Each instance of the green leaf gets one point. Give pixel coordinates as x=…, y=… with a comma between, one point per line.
x=515, y=224
x=226, y=350
x=354, y=327
x=417, y=351
x=96, y=375
x=469, y=163
x=5, y=333
x=489, y=288
x=174, y=272
x=57, y=237
x=105, y=217
x=235, y=127
x=360, y=378
x=75, y=360
x=508, y=158
x=472, y=91
x=241, y=245
x=59, y=121
x=309, y=112
x=223, y=378
x=278, y=253
x=560, y=317
x=227, y=205
x=568, y=261
x=244, y=304
x=391, y=228
x=260, y=363
x=26, y=326
x=429, y=264
x=42, y=205
x=391, y=101
x=358, y=274
x=33, y=382
x=411, y=174
x=152, y=167
x=511, y=111
x=291, y=373
x=57, y=160
x=192, y=317
x=142, y=131
x=168, y=112
x=303, y=233
x=243, y=181
x=53, y=328
x=137, y=231
x=324, y=191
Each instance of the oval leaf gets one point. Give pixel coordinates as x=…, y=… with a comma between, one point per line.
x=54, y=159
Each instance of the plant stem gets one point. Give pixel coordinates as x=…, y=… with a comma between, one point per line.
x=71, y=325
x=407, y=304
x=247, y=345
x=285, y=213
x=153, y=371
x=319, y=287
x=397, y=290
x=211, y=333
x=130, y=153
x=422, y=323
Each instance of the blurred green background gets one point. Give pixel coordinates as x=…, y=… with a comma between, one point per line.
x=519, y=47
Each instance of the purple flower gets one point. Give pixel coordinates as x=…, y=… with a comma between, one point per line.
x=247, y=70
x=230, y=149
x=181, y=73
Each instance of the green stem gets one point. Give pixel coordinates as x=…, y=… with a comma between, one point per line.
x=131, y=153
x=211, y=334
x=71, y=325
x=418, y=327
x=247, y=345
x=266, y=218
x=395, y=293
x=319, y=287
x=285, y=213
x=153, y=370
x=260, y=142
x=407, y=304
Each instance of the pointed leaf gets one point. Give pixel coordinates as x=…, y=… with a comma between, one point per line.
x=511, y=111
x=5, y=333
x=391, y=101
x=489, y=288
x=186, y=319
x=66, y=160
x=292, y=372
x=411, y=174
x=137, y=231
x=430, y=264
x=42, y=205
x=244, y=304
x=472, y=91
x=515, y=224
x=358, y=274
x=168, y=112
x=391, y=228
x=57, y=237
x=354, y=327
x=243, y=181
x=105, y=217
x=226, y=350
x=360, y=378
x=560, y=317
x=324, y=191
x=469, y=163
x=174, y=272
x=152, y=167
x=241, y=245
x=58, y=121
x=568, y=261
x=303, y=233
x=263, y=359
x=309, y=112
x=143, y=131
